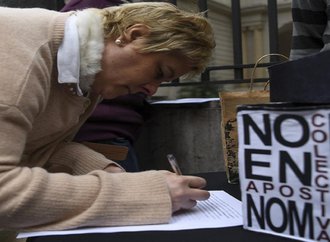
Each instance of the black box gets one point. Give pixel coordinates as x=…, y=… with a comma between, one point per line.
x=306, y=80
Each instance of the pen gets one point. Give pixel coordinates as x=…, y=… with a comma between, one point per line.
x=171, y=159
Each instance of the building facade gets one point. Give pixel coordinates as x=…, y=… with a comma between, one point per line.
x=254, y=30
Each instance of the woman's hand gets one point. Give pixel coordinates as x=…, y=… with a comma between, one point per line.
x=185, y=191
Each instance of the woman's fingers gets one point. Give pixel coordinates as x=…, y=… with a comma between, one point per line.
x=188, y=204
x=196, y=182
x=199, y=195
x=185, y=191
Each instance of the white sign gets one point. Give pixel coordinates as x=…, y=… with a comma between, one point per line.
x=284, y=167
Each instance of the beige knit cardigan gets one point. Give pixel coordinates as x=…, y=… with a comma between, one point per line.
x=38, y=117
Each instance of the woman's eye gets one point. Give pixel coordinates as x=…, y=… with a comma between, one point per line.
x=160, y=73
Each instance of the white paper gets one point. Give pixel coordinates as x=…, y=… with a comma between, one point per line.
x=186, y=100
x=220, y=210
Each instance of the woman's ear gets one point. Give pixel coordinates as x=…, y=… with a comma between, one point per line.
x=135, y=32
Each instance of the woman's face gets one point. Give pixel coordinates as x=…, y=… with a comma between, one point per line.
x=125, y=71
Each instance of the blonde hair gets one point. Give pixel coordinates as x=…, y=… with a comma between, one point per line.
x=170, y=30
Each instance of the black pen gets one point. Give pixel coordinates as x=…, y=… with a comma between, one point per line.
x=174, y=164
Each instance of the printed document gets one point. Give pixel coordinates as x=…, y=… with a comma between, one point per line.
x=220, y=210
x=186, y=101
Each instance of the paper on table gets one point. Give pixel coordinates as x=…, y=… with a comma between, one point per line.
x=220, y=210
x=186, y=100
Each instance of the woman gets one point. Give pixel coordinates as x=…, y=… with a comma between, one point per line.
x=55, y=67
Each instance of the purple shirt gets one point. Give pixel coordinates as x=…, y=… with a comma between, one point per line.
x=119, y=117
x=81, y=4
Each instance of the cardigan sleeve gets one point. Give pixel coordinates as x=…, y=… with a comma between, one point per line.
x=33, y=199
x=78, y=159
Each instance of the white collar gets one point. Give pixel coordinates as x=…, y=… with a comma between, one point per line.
x=80, y=53
x=68, y=57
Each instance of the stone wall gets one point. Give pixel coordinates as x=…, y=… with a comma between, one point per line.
x=189, y=131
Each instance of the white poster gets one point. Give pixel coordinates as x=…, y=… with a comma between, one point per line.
x=284, y=167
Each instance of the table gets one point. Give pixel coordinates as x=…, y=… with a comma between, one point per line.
x=216, y=181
